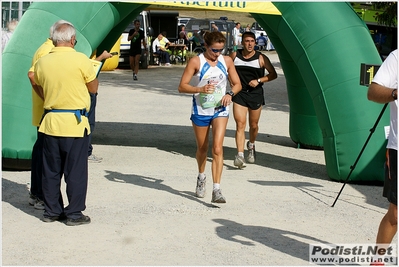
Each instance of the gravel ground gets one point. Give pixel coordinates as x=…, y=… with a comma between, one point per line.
x=141, y=196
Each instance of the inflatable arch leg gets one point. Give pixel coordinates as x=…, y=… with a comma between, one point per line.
x=96, y=23
x=327, y=56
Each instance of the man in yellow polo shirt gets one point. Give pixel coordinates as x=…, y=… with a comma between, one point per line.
x=64, y=79
x=36, y=193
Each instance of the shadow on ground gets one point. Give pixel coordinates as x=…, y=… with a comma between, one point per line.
x=156, y=184
x=271, y=237
x=17, y=195
x=180, y=139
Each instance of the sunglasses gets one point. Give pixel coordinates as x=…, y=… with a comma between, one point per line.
x=217, y=50
x=76, y=41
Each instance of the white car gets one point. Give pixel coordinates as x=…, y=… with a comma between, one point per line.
x=182, y=21
x=257, y=29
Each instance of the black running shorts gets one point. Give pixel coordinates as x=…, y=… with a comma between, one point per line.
x=251, y=99
x=391, y=177
x=134, y=52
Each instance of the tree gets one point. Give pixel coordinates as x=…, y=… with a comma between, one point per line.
x=389, y=15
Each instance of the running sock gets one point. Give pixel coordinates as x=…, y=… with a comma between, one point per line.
x=216, y=187
x=241, y=154
x=251, y=145
x=201, y=176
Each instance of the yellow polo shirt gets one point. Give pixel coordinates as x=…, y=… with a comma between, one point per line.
x=63, y=75
x=37, y=102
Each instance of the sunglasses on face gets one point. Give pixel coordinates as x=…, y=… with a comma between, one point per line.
x=216, y=50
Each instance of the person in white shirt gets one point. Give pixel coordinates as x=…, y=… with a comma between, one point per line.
x=237, y=34
x=384, y=89
x=159, y=47
x=6, y=35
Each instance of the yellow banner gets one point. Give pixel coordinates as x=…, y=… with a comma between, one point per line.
x=263, y=7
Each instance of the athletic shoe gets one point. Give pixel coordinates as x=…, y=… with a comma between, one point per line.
x=32, y=199
x=217, y=197
x=168, y=64
x=251, y=154
x=50, y=219
x=39, y=205
x=200, y=189
x=239, y=162
x=135, y=77
x=94, y=159
x=82, y=220
x=36, y=202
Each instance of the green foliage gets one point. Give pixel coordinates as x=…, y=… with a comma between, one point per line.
x=389, y=15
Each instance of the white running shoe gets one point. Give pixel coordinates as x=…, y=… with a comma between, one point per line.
x=251, y=153
x=217, y=197
x=94, y=159
x=239, y=162
x=200, y=189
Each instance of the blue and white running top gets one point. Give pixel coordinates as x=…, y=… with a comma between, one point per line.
x=215, y=75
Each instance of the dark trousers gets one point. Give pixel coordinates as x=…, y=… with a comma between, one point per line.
x=37, y=166
x=163, y=56
x=92, y=118
x=65, y=156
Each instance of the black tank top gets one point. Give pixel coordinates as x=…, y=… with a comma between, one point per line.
x=248, y=69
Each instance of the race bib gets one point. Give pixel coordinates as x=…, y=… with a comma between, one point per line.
x=211, y=100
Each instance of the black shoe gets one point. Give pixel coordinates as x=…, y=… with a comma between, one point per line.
x=135, y=77
x=53, y=218
x=82, y=220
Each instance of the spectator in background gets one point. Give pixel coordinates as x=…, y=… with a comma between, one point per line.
x=159, y=47
x=214, y=28
x=36, y=192
x=261, y=41
x=248, y=28
x=6, y=36
x=237, y=35
x=183, y=32
x=92, y=113
x=182, y=40
x=196, y=39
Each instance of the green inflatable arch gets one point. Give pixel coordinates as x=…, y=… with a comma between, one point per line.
x=320, y=46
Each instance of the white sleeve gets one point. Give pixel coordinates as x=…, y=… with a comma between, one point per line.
x=154, y=45
x=387, y=74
